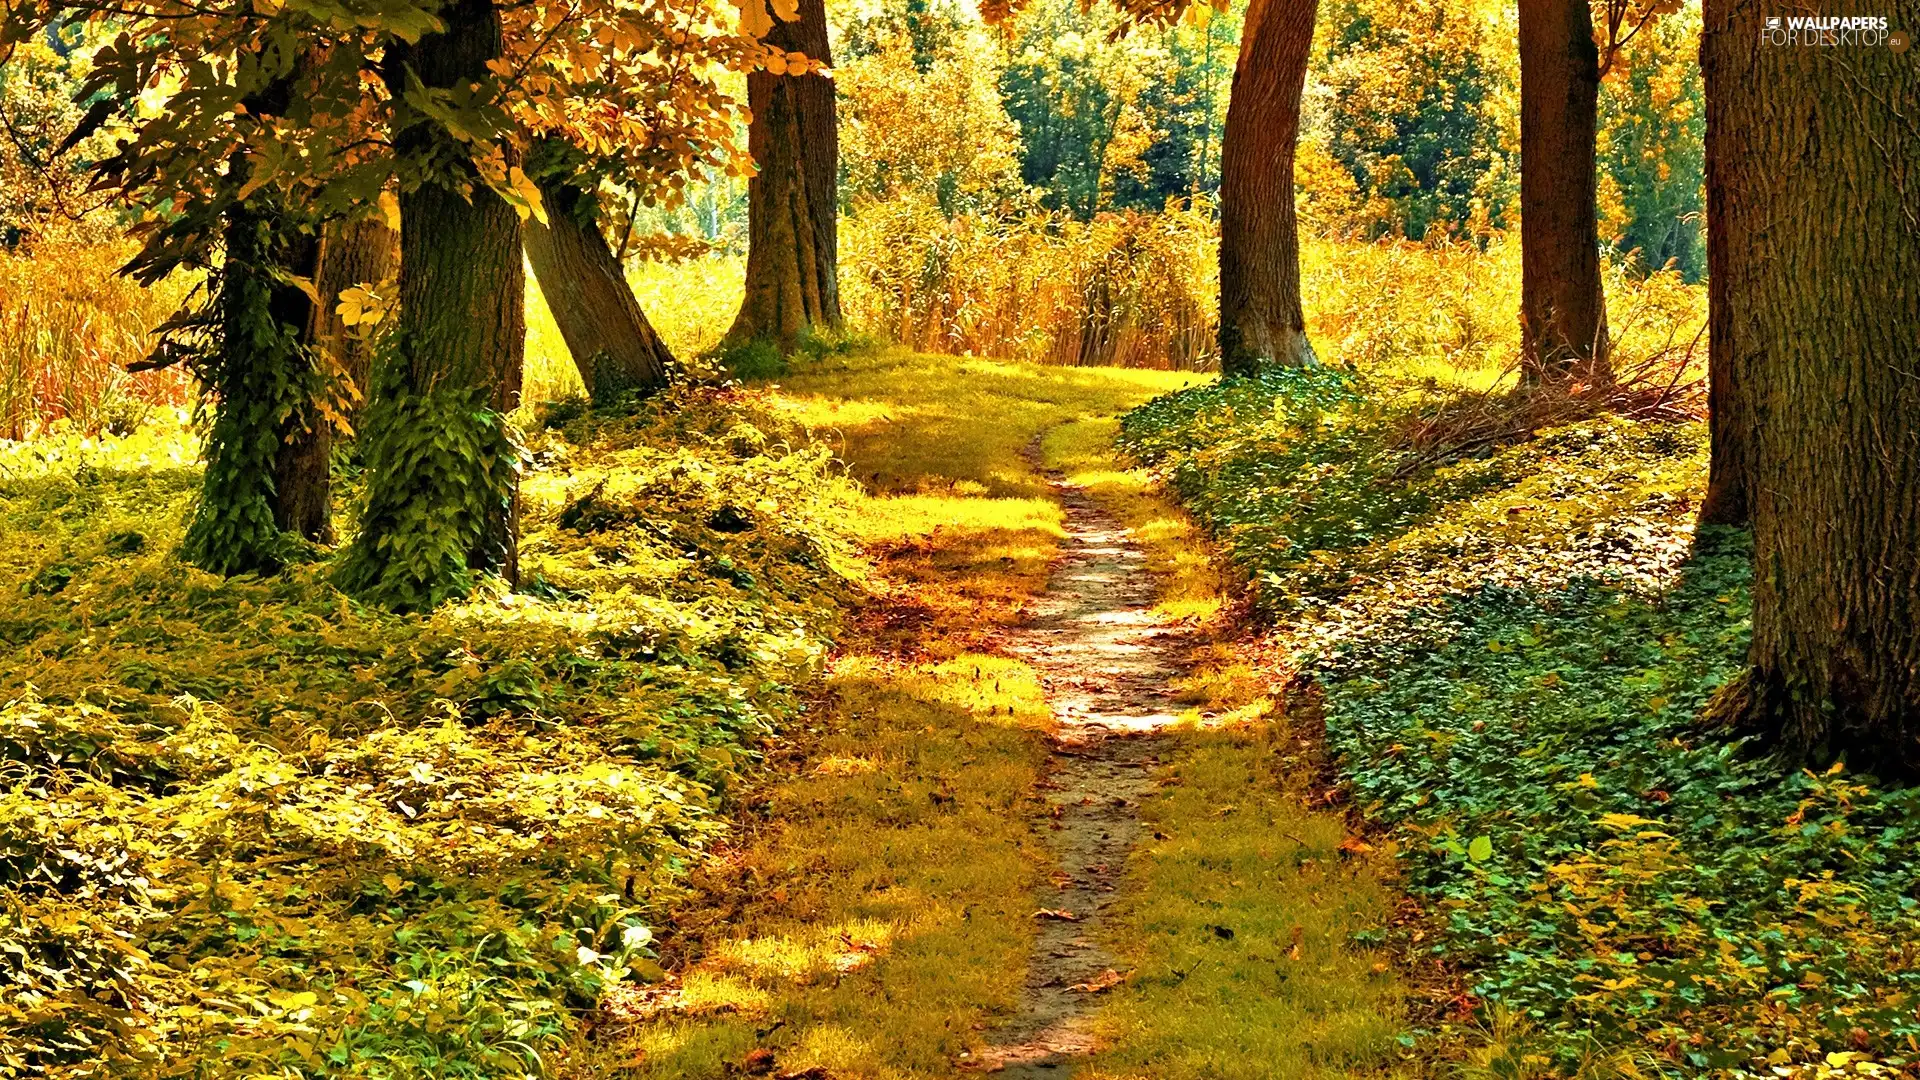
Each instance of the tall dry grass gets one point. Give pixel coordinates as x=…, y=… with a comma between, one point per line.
x=1125, y=289
x=1129, y=290
x=68, y=327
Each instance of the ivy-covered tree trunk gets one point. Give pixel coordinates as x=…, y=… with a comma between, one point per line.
x=443, y=465
x=1824, y=201
x=612, y=342
x=793, y=282
x=1262, y=324
x=1725, y=61
x=1563, y=313
x=268, y=449
x=361, y=252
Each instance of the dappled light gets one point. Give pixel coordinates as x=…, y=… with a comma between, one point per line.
x=919, y=539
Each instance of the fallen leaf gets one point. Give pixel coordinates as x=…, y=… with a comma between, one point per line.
x=1299, y=935
x=1106, y=980
x=1061, y=914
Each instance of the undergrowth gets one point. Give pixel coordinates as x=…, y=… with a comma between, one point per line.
x=1511, y=651
x=251, y=827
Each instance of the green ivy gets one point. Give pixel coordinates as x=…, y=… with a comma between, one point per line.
x=443, y=465
x=257, y=376
x=1514, y=650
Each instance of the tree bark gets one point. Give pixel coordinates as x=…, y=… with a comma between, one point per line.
x=441, y=504
x=1563, y=313
x=793, y=282
x=268, y=452
x=612, y=342
x=1822, y=208
x=361, y=252
x=1262, y=324
x=1725, y=63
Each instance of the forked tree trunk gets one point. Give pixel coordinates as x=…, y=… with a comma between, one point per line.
x=612, y=342
x=1822, y=203
x=1261, y=321
x=1725, y=61
x=361, y=252
x=1563, y=314
x=441, y=499
x=793, y=256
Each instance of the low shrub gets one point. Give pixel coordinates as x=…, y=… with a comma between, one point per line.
x=1512, y=649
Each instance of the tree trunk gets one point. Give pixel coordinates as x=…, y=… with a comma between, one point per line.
x=352, y=253
x=1725, y=62
x=441, y=506
x=1563, y=314
x=611, y=340
x=1261, y=322
x=1822, y=201
x=793, y=282
x=268, y=451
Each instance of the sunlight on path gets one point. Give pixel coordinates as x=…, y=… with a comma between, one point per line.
x=1106, y=663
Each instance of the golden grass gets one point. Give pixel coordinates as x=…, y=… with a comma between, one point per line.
x=1233, y=846
x=875, y=921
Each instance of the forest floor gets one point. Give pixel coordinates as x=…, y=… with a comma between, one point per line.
x=1044, y=820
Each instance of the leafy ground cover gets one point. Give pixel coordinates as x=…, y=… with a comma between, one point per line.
x=1511, y=651
x=249, y=827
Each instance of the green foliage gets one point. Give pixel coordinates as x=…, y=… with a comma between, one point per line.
x=1652, y=148
x=1416, y=108
x=444, y=464
x=1513, y=650
x=259, y=381
x=249, y=826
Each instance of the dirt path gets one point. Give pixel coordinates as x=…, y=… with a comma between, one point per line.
x=1107, y=665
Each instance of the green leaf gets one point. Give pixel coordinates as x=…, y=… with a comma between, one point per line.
x=1480, y=850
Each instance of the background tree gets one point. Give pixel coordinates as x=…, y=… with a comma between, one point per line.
x=1261, y=321
x=615, y=347
x=354, y=253
x=1726, y=65
x=1414, y=101
x=1563, y=314
x=1819, y=204
x=793, y=269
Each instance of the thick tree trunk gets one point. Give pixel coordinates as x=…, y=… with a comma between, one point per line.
x=1725, y=61
x=352, y=253
x=441, y=500
x=1261, y=321
x=1563, y=314
x=793, y=282
x=611, y=340
x=1823, y=210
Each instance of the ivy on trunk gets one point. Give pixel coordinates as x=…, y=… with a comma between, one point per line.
x=443, y=465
